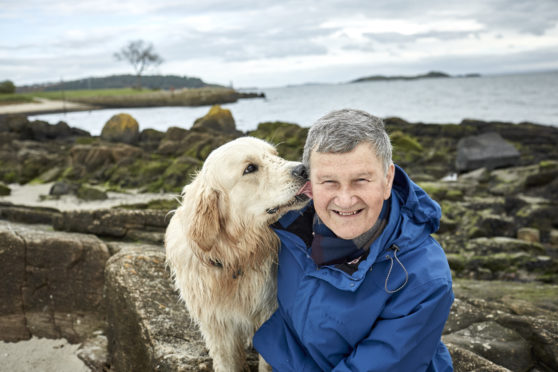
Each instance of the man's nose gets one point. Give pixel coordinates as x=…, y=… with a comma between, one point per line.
x=300, y=172
x=345, y=197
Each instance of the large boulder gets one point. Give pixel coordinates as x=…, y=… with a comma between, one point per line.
x=508, y=323
x=52, y=283
x=149, y=328
x=121, y=128
x=488, y=150
x=218, y=119
x=93, y=157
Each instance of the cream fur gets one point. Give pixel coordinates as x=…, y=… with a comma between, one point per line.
x=221, y=250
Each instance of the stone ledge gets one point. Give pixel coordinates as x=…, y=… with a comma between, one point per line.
x=149, y=327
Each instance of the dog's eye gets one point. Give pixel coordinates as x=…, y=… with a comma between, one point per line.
x=251, y=168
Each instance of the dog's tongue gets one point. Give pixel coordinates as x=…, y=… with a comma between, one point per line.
x=306, y=189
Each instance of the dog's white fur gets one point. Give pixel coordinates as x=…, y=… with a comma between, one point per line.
x=221, y=250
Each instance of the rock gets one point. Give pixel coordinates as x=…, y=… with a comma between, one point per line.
x=149, y=328
x=288, y=137
x=496, y=343
x=4, y=190
x=150, y=139
x=121, y=128
x=523, y=313
x=94, y=352
x=478, y=175
x=52, y=283
x=91, y=193
x=49, y=175
x=94, y=157
x=529, y=234
x=196, y=144
x=465, y=360
x=217, y=119
x=116, y=223
x=38, y=130
x=405, y=147
x=62, y=188
x=30, y=215
x=487, y=150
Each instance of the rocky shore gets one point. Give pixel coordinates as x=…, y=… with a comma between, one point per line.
x=97, y=278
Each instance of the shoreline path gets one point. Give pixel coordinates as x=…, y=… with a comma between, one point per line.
x=43, y=105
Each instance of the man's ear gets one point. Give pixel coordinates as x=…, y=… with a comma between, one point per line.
x=389, y=181
x=205, y=223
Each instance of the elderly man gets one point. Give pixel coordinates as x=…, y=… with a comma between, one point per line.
x=362, y=285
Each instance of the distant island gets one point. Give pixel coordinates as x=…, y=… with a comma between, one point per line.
x=430, y=75
x=164, y=82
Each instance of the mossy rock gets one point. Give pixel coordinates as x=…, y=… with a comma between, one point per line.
x=500, y=244
x=91, y=193
x=4, y=190
x=158, y=204
x=442, y=190
x=404, y=142
x=121, y=128
x=179, y=173
x=484, y=223
x=457, y=262
x=137, y=174
x=218, y=119
x=289, y=138
x=32, y=168
x=175, y=134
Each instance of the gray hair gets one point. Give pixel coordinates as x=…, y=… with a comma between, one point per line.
x=343, y=130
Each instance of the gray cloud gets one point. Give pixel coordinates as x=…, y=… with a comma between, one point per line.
x=251, y=30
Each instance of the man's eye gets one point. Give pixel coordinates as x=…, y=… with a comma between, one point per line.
x=251, y=168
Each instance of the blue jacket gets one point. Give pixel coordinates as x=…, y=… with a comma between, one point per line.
x=388, y=315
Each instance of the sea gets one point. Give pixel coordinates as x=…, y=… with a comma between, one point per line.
x=516, y=98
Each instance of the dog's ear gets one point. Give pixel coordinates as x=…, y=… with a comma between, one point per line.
x=205, y=223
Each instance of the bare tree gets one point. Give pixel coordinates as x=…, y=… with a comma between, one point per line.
x=140, y=55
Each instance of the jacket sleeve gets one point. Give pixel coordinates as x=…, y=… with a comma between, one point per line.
x=409, y=341
x=280, y=348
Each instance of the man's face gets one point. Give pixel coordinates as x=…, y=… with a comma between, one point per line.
x=349, y=189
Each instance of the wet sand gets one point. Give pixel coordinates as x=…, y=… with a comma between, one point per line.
x=30, y=195
x=40, y=354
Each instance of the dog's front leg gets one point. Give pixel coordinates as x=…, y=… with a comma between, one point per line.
x=226, y=347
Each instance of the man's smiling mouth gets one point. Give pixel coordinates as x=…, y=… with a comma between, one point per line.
x=345, y=214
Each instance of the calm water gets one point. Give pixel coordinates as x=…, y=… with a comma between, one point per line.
x=510, y=98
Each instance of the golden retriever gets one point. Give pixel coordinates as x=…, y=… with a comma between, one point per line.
x=221, y=250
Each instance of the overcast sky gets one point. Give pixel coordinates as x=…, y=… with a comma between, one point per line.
x=261, y=43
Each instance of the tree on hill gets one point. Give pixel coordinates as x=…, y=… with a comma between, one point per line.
x=140, y=55
x=7, y=87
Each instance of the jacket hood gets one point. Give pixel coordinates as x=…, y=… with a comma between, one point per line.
x=413, y=217
x=417, y=207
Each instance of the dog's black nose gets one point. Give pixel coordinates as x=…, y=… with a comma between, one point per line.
x=300, y=172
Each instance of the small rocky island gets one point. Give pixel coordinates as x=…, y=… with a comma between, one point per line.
x=97, y=277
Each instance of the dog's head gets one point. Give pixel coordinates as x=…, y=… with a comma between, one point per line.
x=242, y=185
